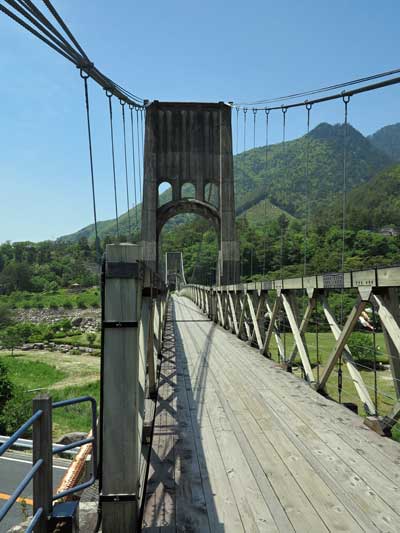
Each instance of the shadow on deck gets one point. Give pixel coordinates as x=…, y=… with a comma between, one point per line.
x=179, y=496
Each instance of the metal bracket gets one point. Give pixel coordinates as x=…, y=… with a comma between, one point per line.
x=128, y=324
x=122, y=270
x=115, y=498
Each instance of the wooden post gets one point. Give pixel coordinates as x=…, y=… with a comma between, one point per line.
x=43, y=449
x=123, y=390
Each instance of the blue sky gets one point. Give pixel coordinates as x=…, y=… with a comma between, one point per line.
x=177, y=50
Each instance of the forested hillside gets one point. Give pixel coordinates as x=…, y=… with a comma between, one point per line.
x=271, y=222
x=387, y=140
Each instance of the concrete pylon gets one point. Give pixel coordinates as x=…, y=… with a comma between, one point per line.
x=190, y=143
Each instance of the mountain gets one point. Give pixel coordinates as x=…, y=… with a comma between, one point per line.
x=375, y=204
x=280, y=180
x=387, y=140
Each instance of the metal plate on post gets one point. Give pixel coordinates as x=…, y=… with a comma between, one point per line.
x=122, y=270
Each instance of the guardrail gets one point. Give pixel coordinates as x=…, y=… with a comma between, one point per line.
x=258, y=312
x=42, y=459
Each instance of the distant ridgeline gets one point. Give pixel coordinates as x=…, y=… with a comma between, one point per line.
x=271, y=206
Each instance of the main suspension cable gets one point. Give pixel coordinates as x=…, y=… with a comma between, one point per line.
x=109, y=96
x=322, y=89
x=31, y=18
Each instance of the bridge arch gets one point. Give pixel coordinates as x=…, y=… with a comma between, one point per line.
x=186, y=205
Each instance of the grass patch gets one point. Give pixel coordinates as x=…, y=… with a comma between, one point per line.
x=79, y=340
x=63, y=377
x=32, y=374
x=74, y=417
x=62, y=298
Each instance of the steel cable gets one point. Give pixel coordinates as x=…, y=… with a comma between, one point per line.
x=134, y=166
x=126, y=168
x=109, y=96
x=97, y=244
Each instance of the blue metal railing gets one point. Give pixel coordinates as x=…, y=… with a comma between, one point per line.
x=56, y=449
x=90, y=440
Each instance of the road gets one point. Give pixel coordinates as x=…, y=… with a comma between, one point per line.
x=13, y=467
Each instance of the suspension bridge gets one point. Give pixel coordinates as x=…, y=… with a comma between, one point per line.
x=217, y=411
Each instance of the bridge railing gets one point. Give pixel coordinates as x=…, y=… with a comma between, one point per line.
x=42, y=460
x=261, y=311
x=134, y=303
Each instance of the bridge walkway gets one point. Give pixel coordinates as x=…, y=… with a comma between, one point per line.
x=240, y=445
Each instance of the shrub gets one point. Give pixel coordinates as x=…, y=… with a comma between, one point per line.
x=362, y=348
x=53, y=305
x=5, y=386
x=16, y=411
x=91, y=337
x=81, y=304
x=67, y=305
x=5, y=314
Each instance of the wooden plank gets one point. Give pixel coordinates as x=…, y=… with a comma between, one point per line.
x=320, y=493
x=301, y=347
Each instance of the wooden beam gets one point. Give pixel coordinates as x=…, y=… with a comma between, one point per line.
x=355, y=375
x=341, y=342
x=233, y=314
x=220, y=310
x=255, y=317
x=298, y=339
x=303, y=327
x=271, y=327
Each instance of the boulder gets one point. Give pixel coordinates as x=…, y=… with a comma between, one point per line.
x=69, y=438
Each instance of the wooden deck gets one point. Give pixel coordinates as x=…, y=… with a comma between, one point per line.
x=241, y=446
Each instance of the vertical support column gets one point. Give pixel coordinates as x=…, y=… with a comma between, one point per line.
x=122, y=390
x=43, y=449
x=230, y=265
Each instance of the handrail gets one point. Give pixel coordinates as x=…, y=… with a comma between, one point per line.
x=90, y=440
x=29, y=476
x=55, y=450
x=15, y=436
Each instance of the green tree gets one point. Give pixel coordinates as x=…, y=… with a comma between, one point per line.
x=91, y=337
x=362, y=348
